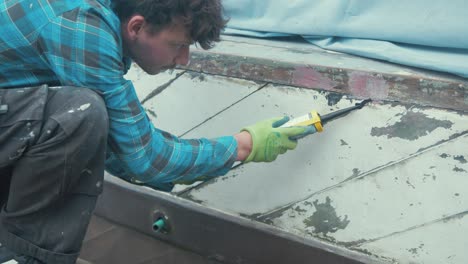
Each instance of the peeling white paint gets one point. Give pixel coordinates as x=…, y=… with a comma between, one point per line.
x=84, y=107
x=31, y=135
x=395, y=197
x=391, y=184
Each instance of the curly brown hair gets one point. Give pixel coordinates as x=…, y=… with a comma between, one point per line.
x=203, y=18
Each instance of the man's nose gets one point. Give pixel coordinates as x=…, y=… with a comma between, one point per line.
x=183, y=58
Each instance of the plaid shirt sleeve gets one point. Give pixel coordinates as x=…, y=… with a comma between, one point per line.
x=83, y=47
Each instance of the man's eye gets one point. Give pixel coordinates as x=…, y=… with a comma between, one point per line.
x=178, y=46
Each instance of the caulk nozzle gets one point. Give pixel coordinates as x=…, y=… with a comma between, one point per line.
x=330, y=116
x=361, y=104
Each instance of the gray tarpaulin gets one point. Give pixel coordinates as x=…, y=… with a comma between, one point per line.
x=425, y=34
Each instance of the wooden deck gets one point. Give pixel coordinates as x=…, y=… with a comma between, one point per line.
x=387, y=181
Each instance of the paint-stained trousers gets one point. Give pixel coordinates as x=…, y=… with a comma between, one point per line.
x=52, y=152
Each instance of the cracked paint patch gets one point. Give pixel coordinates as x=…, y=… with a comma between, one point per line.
x=416, y=251
x=411, y=127
x=356, y=172
x=333, y=98
x=457, y=169
x=300, y=210
x=460, y=158
x=196, y=75
x=410, y=184
x=428, y=176
x=444, y=155
x=325, y=220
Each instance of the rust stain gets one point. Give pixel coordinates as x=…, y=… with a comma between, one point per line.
x=451, y=94
x=310, y=77
x=368, y=85
x=260, y=72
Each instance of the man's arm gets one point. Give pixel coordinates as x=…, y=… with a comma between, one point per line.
x=83, y=49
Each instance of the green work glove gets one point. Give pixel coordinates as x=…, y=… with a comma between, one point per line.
x=270, y=140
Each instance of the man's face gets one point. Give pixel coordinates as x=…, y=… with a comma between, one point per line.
x=156, y=52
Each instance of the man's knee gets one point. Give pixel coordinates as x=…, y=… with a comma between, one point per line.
x=82, y=111
x=94, y=109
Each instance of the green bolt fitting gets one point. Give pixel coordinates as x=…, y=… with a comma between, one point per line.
x=159, y=225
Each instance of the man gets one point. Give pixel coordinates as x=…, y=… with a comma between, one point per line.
x=66, y=113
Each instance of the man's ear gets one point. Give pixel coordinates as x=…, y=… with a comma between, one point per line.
x=134, y=26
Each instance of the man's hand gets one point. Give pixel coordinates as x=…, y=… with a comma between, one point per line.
x=269, y=139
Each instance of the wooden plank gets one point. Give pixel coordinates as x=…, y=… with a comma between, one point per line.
x=302, y=65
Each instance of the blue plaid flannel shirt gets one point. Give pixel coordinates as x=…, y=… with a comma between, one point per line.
x=78, y=43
